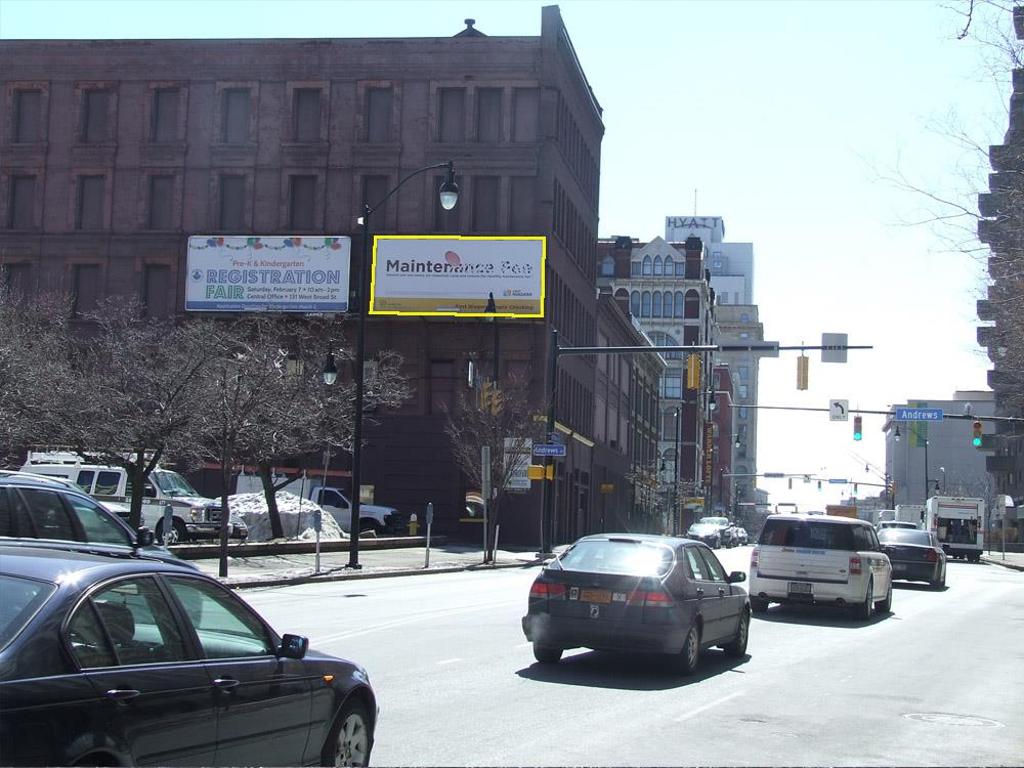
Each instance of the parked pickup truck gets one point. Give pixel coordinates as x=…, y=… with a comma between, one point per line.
x=192, y=516
x=380, y=519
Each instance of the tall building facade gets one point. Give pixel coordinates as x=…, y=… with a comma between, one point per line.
x=937, y=458
x=114, y=152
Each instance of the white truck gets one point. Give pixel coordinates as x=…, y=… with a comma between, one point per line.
x=192, y=515
x=910, y=513
x=382, y=520
x=959, y=524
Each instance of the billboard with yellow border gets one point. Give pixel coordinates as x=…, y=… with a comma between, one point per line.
x=458, y=276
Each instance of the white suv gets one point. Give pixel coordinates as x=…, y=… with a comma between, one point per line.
x=815, y=559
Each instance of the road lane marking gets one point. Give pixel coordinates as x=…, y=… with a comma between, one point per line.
x=425, y=616
x=448, y=661
x=698, y=710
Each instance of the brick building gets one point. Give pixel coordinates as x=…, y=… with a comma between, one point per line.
x=113, y=152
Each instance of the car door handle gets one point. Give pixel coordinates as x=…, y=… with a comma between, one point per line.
x=225, y=683
x=121, y=694
x=721, y=590
x=700, y=594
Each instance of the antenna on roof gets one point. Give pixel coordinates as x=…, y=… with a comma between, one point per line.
x=695, y=201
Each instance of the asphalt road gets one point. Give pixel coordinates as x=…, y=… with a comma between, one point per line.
x=940, y=681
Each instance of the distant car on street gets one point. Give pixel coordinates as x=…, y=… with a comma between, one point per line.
x=113, y=661
x=897, y=524
x=741, y=536
x=915, y=555
x=707, y=533
x=637, y=592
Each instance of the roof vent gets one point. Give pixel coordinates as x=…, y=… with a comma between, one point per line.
x=469, y=31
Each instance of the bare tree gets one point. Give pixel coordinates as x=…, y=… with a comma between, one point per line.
x=506, y=421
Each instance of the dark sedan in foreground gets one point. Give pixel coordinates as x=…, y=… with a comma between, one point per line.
x=636, y=592
x=107, y=661
x=915, y=555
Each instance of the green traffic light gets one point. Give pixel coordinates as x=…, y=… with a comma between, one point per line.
x=976, y=442
x=856, y=435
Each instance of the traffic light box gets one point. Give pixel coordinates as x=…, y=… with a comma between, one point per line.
x=858, y=432
x=490, y=398
x=978, y=433
x=693, y=371
x=802, y=370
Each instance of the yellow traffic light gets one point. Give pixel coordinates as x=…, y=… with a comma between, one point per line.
x=693, y=371
x=491, y=398
x=802, y=368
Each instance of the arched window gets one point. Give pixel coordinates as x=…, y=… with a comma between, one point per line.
x=608, y=267
x=669, y=268
x=656, y=311
x=691, y=307
x=647, y=265
x=657, y=266
x=679, y=304
x=645, y=304
x=634, y=302
x=668, y=304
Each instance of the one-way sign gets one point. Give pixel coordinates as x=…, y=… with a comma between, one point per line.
x=839, y=410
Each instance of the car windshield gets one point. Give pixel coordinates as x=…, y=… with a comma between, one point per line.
x=715, y=520
x=173, y=484
x=621, y=556
x=701, y=528
x=809, y=534
x=904, y=536
x=20, y=598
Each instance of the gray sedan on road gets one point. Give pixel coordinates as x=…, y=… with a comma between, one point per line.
x=636, y=592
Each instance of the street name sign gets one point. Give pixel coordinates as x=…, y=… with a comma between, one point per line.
x=549, y=449
x=919, y=414
x=838, y=481
x=838, y=410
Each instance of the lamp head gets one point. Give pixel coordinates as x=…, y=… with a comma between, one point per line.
x=449, y=190
x=330, y=372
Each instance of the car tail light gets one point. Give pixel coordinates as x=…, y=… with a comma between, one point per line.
x=753, y=560
x=931, y=556
x=658, y=600
x=544, y=589
x=855, y=565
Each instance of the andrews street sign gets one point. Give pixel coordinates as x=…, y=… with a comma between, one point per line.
x=918, y=414
x=548, y=449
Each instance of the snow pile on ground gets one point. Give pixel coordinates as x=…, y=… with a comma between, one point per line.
x=296, y=517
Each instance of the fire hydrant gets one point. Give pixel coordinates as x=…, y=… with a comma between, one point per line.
x=414, y=526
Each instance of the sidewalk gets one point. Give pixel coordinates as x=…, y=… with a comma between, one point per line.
x=276, y=570
x=1014, y=560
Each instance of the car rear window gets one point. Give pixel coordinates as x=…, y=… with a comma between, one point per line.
x=20, y=598
x=809, y=534
x=621, y=556
x=904, y=536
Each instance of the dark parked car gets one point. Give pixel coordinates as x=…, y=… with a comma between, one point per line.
x=915, y=555
x=40, y=511
x=111, y=661
x=637, y=592
x=706, y=533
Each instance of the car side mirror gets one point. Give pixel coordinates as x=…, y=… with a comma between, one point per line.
x=736, y=577
x=144, y=537
x=292, y=647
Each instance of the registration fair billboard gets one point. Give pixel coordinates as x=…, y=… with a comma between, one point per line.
x=452, y=276
x=244, y=273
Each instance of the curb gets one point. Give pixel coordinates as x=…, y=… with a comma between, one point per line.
x=357, y=575
x=1003, y=563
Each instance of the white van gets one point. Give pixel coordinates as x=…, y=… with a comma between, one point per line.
x=192, y=516
x=820, y=560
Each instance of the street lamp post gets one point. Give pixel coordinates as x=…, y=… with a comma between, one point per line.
x=448, y=193
x=675, y=482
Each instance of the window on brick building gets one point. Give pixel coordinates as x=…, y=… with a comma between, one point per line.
x=442, y=386
x=525, y=114
x=161, y=202
x=232, y=202
x=28, y=107
x=236, y=106
x=306, y=115
x=85, y=280
x=156, y=291
x=452, y=118
x=645, y=304
x=488, y=115
x=608, y=267
x=89, y=213
x=374, y=189
x=691, y=305
x=95, y=127
x=522, y=203
x=634, y=303
x=21, y=213
x=301, y=203
x=485, y=203
x=379, y=103
x=165, y=115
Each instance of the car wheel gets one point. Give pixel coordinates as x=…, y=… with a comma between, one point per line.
x=685, y=662
x=351, y=738
x=863, y=610
x=545, y=654
x=885, y=606
x=177, y=535
x=941, y=583
x=370, y=526
x=758, y=605
x=738, y=647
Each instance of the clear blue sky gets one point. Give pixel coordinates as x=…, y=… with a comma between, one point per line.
x=787, y=118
